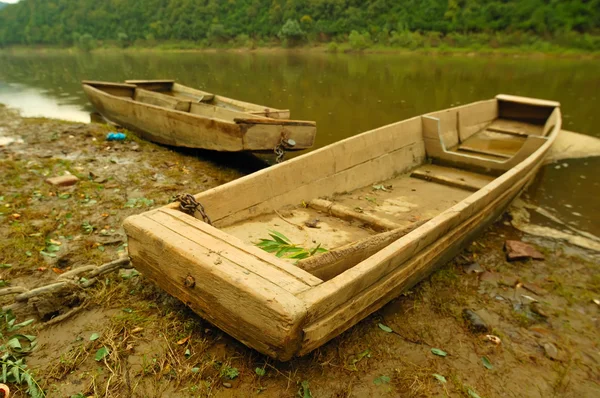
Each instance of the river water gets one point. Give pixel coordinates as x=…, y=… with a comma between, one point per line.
x=344, y=94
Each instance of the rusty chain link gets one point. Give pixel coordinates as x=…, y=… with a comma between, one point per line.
x=73, y=277
x=284, y=143
x=188, y=204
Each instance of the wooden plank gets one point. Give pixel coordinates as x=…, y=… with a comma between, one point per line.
x=492, y=143
x=346, y=213
x=552, y=121
x=153, y=85
x=266, y=136
x=515, y=127
x=327, y=296
x=332, y=263
x=474, y=117
x=252, y=309
x=406, y=274
x=447, y=126
x=528, y=100
x=494, y=155
x=279, y=122
x=272, y=113
x=213, y=236
x=452, y=177
x=158, y=99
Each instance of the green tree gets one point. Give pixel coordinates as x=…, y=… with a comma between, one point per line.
x=291, y=33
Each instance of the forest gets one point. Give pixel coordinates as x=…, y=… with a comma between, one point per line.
x=361, y=23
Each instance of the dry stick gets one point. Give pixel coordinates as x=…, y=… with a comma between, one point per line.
x=288, y=221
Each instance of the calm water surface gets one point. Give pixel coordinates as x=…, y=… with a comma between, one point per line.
x=344, y=94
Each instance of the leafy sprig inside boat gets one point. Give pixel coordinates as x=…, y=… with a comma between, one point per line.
x=283, y=247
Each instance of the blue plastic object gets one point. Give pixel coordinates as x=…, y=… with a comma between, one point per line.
x=115, y=137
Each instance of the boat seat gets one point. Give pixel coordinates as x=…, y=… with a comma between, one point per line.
x=162, y=100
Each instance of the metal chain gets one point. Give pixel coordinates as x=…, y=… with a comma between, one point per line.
x=188, y=204
x=284, y=143
x=73, y=277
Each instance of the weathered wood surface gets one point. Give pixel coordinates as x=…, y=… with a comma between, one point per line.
x=239, y=292
x=333, y=169
x=326, y=297
x=175, y=121
x=452, y=177
x=332, y=263
x=346, y=213
x=363, y=279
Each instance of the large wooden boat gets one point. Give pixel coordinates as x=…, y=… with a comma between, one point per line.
x=172, y=114
x=390, y=204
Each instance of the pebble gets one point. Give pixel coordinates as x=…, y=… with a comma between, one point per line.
x=473, y=268
x=227, y=385
x=517, y=250
x=63, y=181
x=475, y=322
x=551, y=351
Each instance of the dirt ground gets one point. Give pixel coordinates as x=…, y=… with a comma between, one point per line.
x=123, y=337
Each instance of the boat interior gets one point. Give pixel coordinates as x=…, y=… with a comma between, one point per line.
x=372, y=189
x=170, y=95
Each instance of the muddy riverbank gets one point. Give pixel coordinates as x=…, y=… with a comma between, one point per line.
x=124, y=337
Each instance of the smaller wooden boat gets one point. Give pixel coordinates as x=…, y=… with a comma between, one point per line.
x=390, y=204
x=172, y=114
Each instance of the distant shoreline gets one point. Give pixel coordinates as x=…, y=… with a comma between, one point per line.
x=184, y=47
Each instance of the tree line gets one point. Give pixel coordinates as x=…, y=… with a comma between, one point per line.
x=214, y=22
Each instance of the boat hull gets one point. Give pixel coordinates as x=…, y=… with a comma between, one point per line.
x=283, y=311
x=185, y=129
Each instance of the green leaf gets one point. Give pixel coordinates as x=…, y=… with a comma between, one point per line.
x=260, y=372
x=16, y=372
x=22, y=325
x=472, y=393
x=278, y=236
x=305, y=390
x=439, y=352
x=487, y=363
x=300, y=255
x=94, y=337
x=195, y=370
x=439, y=377
x=231, y=373
x=51, y=248
x=381, y=380
x=43, y=253
x=386, y=329
x=4, y=371
x=5, y=265
x=128, y=310
x=14, y=343
x=101, y=353
x=187, y=353
x=28, y=253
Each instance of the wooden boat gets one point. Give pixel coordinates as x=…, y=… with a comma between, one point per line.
x=172, y=114
x=392, y=203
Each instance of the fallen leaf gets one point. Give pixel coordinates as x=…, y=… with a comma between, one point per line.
x=472, y=393
x=137, y=330
x=440, y=378
x=101, y=353
x=486, y=362
x=55, y=242
x=439, y=352
x=385, y=328
x=42, y=269
x=105, y=214
x=94, y=337
x=58, y=270
x=16, y=216
x=184, y=340
x=381, y=380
